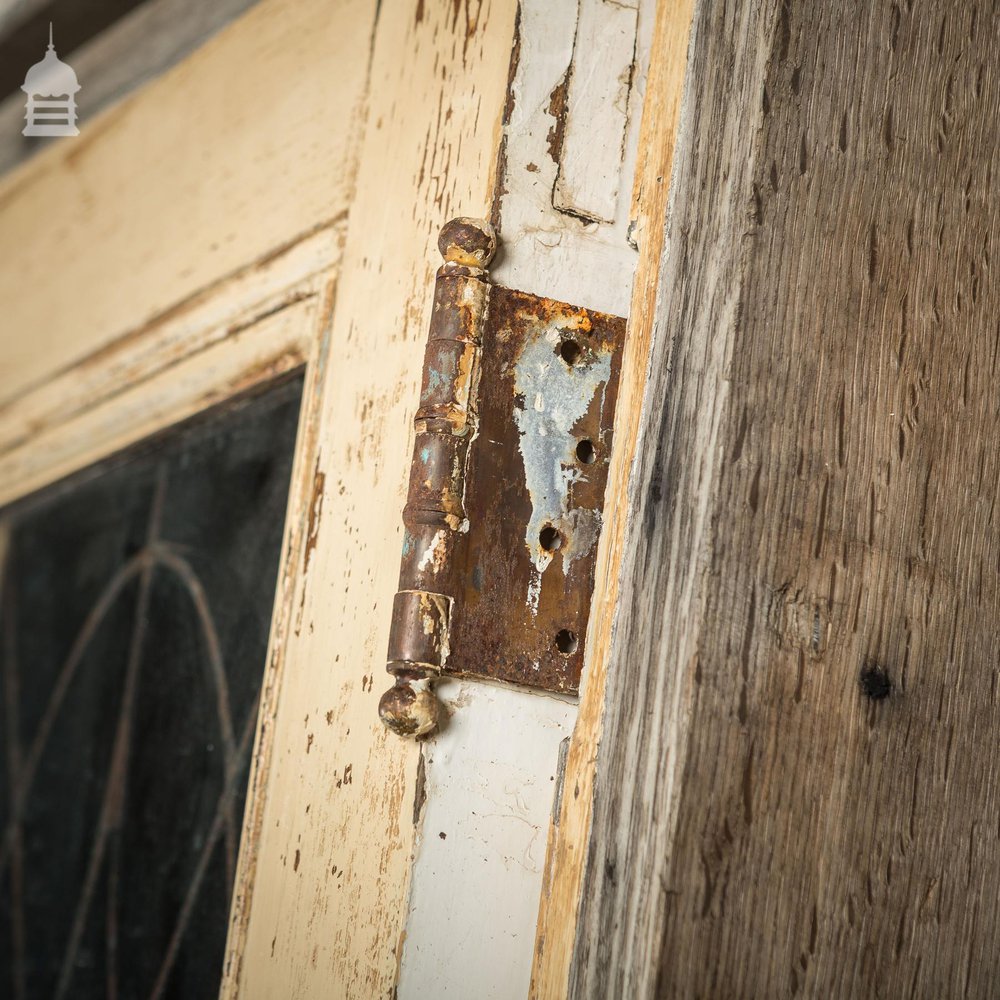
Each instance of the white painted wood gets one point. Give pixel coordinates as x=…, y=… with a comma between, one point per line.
x=545, y=250
x=600, y=83
x=490, y=781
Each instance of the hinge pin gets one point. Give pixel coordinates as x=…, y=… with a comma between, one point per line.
x=435, y=515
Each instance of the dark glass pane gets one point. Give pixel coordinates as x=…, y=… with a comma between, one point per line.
x=136, y=605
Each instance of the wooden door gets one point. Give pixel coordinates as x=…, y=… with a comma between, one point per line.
x=265, y=214
x=777, y=777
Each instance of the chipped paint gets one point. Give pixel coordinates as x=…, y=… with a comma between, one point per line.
x=513, y=385
x=567, y=153
x=597, y=99
x=315, y=513
x=435, y=552
x=557, y=395
x=514, y=599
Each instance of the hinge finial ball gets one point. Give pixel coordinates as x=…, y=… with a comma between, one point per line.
x=410, y=708
x=469, y=242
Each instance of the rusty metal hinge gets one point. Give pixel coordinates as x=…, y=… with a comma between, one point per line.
x=504, y=510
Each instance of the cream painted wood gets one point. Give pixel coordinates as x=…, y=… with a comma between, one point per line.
x=140, y=46
x=272, y=347
x=144, y=246
x=242, y=148
x=272, y=337
x=329, y=899
x=231, y=259
x=171, y=332
x=261, y=323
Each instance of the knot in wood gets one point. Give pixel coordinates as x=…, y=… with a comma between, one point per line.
x=875, y=681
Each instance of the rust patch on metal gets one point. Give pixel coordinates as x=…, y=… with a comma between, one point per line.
x=536, y=479
x=434, y=518
x=504, y=510
x=467, y=242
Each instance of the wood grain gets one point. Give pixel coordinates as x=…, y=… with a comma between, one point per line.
x=324, y=870
x=146, y=379
x=560, y=899
x=213, y=166
x=816, y=495
x=140, y=46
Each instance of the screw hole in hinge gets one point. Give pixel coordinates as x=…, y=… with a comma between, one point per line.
x=550, y=539
x=586, y=453
x=569, y=351
x=566, y=641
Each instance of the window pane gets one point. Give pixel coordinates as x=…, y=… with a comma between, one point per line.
x=136, y=605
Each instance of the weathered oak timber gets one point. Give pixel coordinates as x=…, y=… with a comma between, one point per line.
x=797, y=791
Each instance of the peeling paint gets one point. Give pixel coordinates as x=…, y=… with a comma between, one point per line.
x=596, y=101
x=315, y=514
x=557, y=395
x=503, y=511
x=434, y=553
x=570, y=130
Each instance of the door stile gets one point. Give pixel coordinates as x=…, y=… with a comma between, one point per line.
x=331, y=870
